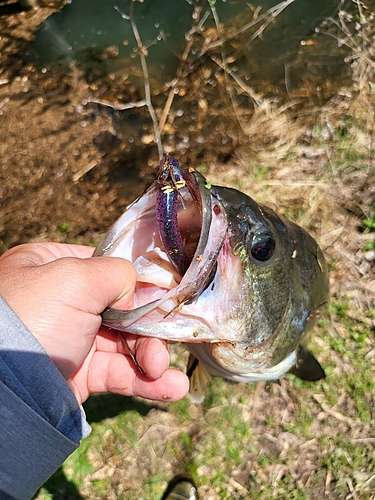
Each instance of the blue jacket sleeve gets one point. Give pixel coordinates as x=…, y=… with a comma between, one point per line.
x=41, y=422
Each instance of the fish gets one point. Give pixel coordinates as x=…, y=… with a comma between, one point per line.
x=239, y=284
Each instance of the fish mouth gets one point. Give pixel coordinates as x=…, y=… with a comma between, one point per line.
x=162, y=287
x=199, y=279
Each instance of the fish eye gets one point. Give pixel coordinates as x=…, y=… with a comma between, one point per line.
x=263, y=250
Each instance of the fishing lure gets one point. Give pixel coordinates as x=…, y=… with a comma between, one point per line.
x=170, y=180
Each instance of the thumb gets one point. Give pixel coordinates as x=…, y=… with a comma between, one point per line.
x=45, y=273
x=100, y=282
x=39, y=293
x=118, y=290
x=60, y=300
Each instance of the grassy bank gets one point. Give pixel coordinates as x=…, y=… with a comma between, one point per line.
x=296, y=440
x=293, y=440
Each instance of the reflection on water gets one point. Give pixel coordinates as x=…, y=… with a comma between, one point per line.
x=98, y=36
x=208, y=62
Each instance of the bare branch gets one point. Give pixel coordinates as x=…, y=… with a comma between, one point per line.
x=269, y=15
x=189, y=43
x=142, y=55
x=256, y=98
x=115, y=104
x=223, y=65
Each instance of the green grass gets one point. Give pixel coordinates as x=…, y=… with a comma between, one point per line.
x=369, y=222
x=344, y=458
x=245, y=440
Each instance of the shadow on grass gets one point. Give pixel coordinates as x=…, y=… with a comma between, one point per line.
x=103, y=406
x=97, y=408
x=60, y=488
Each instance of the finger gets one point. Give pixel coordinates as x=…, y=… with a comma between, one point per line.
x=117, y=373
x=110, y=340
x=107, y=280
x=115, y=278
x=34, y=254
x=78, y=382
x=97, y=283
x=151, y=354
x=60, y=250
x=80, y=251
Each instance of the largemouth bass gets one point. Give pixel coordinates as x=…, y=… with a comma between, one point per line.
x=241, y=285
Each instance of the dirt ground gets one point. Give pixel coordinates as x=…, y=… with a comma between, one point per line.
x=66, y=173
x=48, y=138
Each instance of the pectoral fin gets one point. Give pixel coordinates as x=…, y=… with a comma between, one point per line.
x=307, y=367
x=199, y=379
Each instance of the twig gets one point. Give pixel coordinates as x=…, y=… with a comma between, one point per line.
x=122, y=14
x=142, y=55
x=238, y=486
x=351, y=489
x=370, y=479
x=327, y=483
x=117, y=106
x=189, y=43
x=84, y=170
x=4, y=101
x=171, y=94
x=224, y=66
x=272, y=13
x=256, y=98
x=288, y=87
x=333, y=413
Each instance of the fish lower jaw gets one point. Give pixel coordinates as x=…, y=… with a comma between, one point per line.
x=239, y=370
x=273, y=373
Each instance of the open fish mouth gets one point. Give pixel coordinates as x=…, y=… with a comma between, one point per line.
x=173, y=235
x=238, y=283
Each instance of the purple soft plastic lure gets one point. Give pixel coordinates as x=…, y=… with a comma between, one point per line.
x=170, y=180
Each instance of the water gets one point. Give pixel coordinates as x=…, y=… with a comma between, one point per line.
x=97, y=36
x=283, y=55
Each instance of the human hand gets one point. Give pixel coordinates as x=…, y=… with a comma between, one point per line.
x=59, y=292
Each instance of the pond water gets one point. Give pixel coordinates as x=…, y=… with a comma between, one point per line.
x=268, y=48
x=99, y=38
